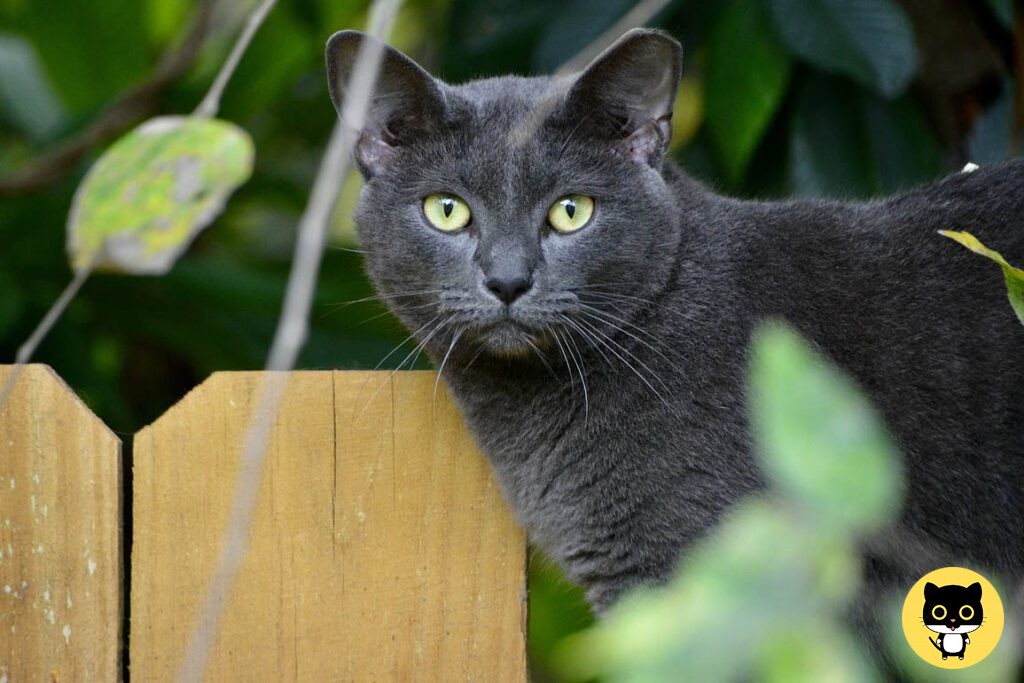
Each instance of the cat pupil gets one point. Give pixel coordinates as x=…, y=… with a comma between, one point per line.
x=570, y=208
x=447, y=205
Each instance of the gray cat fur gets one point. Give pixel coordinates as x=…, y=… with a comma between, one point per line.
x=616, y=485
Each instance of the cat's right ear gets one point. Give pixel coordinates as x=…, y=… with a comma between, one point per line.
x=407, y=101
x=929, y=590
x=626, y=94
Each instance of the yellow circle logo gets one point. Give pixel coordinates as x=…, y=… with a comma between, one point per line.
x=953, y=617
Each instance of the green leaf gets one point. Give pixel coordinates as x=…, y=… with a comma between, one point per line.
x=849, y=142
x=26, y=98
x=490, y=38
x=830, y=148
x=574, y=26
x=1004, y=11
x=148, y=196
x=763, y=574
x=871, y=41
x=992, y=141
x=11, y=303
x=747, y=74
x=906, y=151
x=91, y=50
x=821, y=442
x=1014, y=276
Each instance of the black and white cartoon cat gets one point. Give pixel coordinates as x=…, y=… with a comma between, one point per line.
x=590, y=307
x=952, y=611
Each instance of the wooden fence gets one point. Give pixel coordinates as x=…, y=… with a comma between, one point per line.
x=380, y=549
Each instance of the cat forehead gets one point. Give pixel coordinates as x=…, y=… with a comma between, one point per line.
x=512, y=93
x=515, y=108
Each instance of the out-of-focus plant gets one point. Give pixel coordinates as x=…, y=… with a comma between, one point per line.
x=767, y=595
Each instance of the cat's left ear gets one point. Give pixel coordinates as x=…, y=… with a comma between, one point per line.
x=974, y=591
x=626, y=94
x=407, y=101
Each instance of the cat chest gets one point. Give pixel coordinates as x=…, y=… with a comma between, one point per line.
x=952, y=642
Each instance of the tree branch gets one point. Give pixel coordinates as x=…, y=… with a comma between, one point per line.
x=133, y=105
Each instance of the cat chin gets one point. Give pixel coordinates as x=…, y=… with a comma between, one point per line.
x=509, y=340
x=942, y=628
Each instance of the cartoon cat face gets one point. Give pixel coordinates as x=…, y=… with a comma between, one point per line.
x=952, y=608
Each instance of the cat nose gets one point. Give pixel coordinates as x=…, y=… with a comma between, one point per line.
x=508, y=289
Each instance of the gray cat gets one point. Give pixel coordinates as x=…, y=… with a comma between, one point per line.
x=591, y=307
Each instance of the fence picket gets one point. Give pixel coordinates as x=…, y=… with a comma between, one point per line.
x=60, y=535
x=381, y=548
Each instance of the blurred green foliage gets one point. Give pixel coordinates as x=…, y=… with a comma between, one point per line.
x=845, y=98
x=768, y=595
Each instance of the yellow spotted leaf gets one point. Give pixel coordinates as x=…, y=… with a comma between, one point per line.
x=153, y=191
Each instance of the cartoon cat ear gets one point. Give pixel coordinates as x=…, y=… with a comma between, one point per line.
x=929, y=590
x=627, y=93
x=974, y=591
x=407, y=101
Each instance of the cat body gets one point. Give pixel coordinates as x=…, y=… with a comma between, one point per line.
x=952, y=612
x=951, y=644
x=603, y=370
x=924, y=328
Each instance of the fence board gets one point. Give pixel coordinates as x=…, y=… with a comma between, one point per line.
x=60, y=537
x=381, y=547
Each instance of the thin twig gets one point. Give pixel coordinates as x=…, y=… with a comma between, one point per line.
x=134, y=105
x=211, y=103
x=26, y=350
x=292, y=330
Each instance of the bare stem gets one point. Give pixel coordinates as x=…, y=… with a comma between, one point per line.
x=26, y=350
x=292, y=330
x=211, y=102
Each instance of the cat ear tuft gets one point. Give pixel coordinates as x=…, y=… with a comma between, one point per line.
x=974, y=591
x=628, y=91
x=407, y=101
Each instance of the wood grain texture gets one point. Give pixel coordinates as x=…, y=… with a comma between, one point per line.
x=381, y=547
x=60, y=535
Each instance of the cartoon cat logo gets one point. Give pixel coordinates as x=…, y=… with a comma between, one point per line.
x=953, y=611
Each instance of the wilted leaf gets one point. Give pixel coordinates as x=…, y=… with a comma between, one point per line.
x=820, y=440
x=747, y=74
x=869, y=40
x=1014, y=276
x=147, y=197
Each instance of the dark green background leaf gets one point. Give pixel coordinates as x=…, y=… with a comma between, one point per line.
x=744, y=87
x=870, y=40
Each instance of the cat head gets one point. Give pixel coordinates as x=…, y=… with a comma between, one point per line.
x=511, y=211
x=952, y=608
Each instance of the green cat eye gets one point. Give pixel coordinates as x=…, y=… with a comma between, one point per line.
x=446, y=212
x=936, y=610
x=571, y=212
